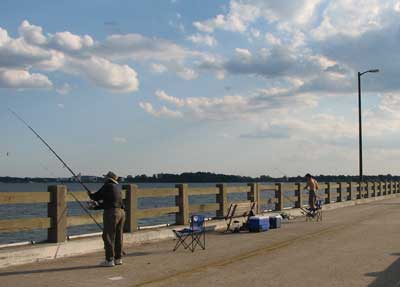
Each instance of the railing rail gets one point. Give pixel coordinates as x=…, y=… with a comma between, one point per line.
x=279, y=195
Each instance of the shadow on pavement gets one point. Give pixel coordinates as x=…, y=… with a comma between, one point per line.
x=388, y=277
x=26, y=272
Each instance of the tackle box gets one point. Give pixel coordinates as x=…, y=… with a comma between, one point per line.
x=258, y=223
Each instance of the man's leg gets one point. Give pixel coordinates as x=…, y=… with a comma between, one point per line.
x=119, y=234
x=109, y=223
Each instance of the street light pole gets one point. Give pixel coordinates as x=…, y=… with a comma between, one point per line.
x=360, y=123
x=360, y=158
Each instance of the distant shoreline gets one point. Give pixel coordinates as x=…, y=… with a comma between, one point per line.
x=197, y=177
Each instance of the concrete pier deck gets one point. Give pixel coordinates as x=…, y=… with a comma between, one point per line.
x=352, y=246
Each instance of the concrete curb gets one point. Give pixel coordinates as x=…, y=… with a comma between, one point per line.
x=48, y=251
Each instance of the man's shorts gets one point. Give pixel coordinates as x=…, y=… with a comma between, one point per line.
x=312, y=198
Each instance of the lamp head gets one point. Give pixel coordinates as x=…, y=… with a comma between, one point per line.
x=374, y=71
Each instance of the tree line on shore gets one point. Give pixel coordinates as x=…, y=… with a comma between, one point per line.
x=188, y=177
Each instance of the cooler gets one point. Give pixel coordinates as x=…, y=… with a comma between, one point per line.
x=258, y=223
x=275, y=221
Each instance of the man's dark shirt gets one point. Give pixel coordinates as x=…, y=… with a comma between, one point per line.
x=110, y=194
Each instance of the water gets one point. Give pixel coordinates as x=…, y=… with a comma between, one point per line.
x=15, y=211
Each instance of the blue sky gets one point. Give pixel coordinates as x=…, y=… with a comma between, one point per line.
x=244, y=87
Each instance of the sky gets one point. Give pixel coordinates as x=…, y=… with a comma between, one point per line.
x=238, y=87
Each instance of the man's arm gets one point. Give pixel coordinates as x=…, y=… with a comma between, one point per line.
x=99, y=195
x=316, y=184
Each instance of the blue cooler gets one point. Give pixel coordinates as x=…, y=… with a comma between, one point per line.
x=275, y=221
x=258, y=223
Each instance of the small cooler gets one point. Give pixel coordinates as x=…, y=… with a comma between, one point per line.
x=258, y=223
x=275, y=221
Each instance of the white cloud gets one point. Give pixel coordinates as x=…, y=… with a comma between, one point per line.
x=207, y=40
x=158, y=68
x=64, y=89
x=187, y=73
x=71, y=42
x=234, y=107
x=272, y=40
x=141, y=48
x=62, y=52
x=162, y=95
x=164, y=112
x=236, y=20
x=243, y=53
x=61, y=106
x=120, y=140
x=352, y=18
x=32, y=34
x=242, y=14
x=23, y=79
x=103, y=73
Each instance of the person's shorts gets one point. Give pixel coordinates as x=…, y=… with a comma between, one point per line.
x=312, y=198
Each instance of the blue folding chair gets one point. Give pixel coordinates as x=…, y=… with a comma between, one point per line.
x=194, y=236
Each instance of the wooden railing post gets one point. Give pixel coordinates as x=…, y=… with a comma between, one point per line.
x=253, y=195
x=222, y=199
x=279, y=197
x=182, y=200
x=328, y=194
x=131, y=207
x=379, y=188
x=389, y=187
x=373, y=189
x=367, y=189
x=360, y=189
x=57, y=211
x=383, y=188
x=350, y=191
x=341, y=191
x=299, y=194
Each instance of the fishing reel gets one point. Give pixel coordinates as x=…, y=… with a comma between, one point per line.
x=95, y=205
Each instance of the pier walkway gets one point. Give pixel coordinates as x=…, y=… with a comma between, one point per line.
x=353, y=246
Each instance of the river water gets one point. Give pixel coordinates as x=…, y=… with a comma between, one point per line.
x=14, y=211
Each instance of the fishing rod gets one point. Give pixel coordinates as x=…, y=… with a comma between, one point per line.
x=65, y=165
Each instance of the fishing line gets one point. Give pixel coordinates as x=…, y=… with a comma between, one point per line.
x=64, y=165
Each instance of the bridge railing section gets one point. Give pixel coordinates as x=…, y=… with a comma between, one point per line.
x=268, y=196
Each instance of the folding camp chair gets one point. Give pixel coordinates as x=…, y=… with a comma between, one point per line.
x=315, y=214
x=189, y=238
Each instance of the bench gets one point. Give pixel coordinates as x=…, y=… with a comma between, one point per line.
x=240, y=210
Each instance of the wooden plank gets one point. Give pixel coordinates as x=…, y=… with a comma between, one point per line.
x=23, y=224
x=203, y=191
x=83, y=196
x=322, y=185
x=24, y=197
x=269, y=201
x=238, y=189
x=157, y=192
x=154, y=212
x=289, y=187
x=84, y=219
x=238, y=201
x=334, y=185
x=80, y=195
x=263, y=187
x=204, y=207
x=292, y=198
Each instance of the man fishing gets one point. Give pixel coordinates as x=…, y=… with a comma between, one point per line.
x=109, y=197
x=312, y=187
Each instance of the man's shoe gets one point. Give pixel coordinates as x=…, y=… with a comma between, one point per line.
x=118, y=261
x=107, y=263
